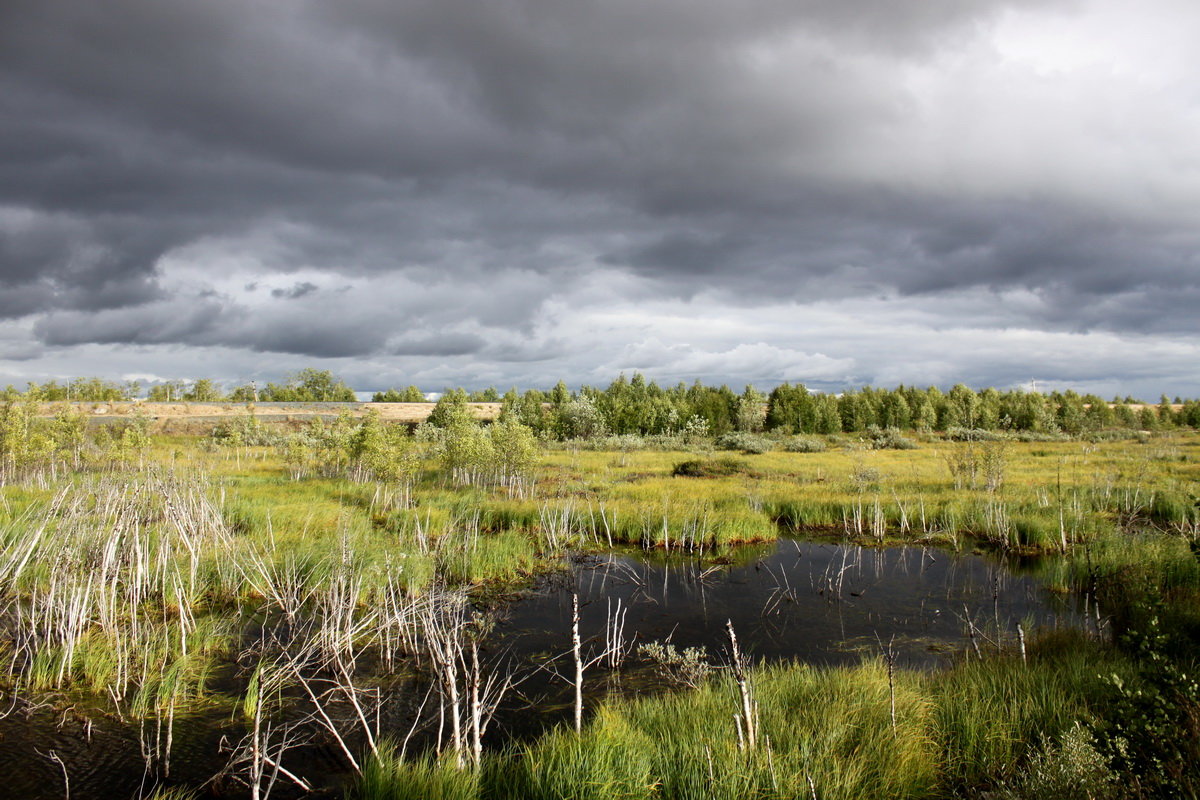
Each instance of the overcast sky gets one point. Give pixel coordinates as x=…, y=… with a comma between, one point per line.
x=475, y=192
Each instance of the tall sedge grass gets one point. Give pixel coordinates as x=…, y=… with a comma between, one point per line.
x=823, y=731
x=389, y=777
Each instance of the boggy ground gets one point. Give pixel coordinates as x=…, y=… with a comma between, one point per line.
x=140, y=592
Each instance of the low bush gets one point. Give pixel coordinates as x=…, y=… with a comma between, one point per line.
x=745, y=442
x=804, y=444
x=888, y=439
x=711, y=468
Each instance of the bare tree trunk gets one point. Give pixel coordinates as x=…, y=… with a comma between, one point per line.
x=577, y=649
x=971, y=633
x=748, y=719
x=256, y=756
x=476, y=708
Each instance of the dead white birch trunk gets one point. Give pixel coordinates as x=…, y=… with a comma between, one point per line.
x=476, y=709
x=577, y=649
x=748, y=719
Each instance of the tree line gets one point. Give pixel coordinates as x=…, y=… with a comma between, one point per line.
x=637, y=406
x=305, y=386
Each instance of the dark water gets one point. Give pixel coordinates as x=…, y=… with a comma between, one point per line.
x=816, y=602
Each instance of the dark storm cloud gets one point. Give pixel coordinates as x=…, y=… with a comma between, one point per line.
x=147, y=324
x=296, y=291
x=320, y=339
x=458, y=141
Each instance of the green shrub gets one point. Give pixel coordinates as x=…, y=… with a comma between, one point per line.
x=1071, y=770
x=888, y=439
x=804, y=444
x=745, y=442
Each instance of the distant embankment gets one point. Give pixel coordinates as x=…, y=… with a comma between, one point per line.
x=194, y=418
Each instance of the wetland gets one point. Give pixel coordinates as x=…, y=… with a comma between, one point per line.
x=356, y=610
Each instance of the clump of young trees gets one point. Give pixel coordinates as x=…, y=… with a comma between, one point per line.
x=200, y=390
x=410, y=395
x=84, y=390
x=452, y=440
x=306, y=386
x=500, y=455
x=34, y=446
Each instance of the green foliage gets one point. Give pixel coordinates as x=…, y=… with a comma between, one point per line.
x=32, y=445
x=410, y=395
x=803, y=444
x=451, y=410
x=428, y=777
x=166, y=392
x=747, y=443
x=387, y=455
x=1151, y=726
x=688, y=667
x=23, y=444
x=999, y=726
x=637, y=406
x=990, y=714
x=1071, y=769
x=976, y=435
x=514, y=449
x=1174, y=511
x=247, y=431
x=488, y=395
x=974, y=465
x=307, y=386
x=203, y=391
x=888, y=439
x=85, y=390
x=579, y=418
x=751, y=411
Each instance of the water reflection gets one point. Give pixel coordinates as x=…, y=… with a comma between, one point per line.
x=821, y=603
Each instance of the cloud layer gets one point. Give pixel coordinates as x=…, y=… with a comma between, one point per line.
x=466, y=191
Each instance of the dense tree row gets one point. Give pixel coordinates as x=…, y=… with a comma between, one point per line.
x=640, y=407
x=795, y=409
x=636, y=406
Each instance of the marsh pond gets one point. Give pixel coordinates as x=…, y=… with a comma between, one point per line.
x=648, y=623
